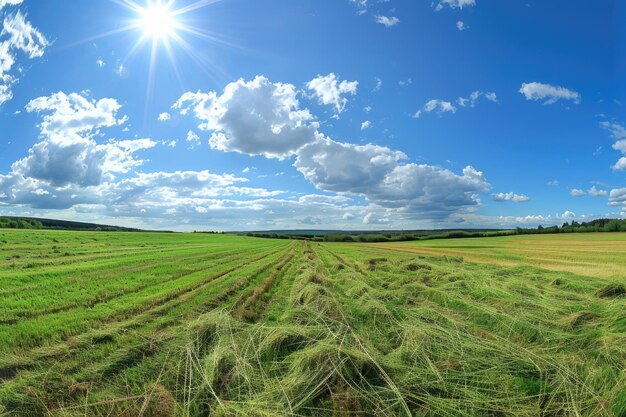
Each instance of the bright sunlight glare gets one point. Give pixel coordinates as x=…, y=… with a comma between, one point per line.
x=157, y=20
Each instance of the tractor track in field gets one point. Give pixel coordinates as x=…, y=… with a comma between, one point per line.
x=342, y=261
x=220, y=299
x=147, y=311
x=114, y=267
x=246, y=308
x=102, y=300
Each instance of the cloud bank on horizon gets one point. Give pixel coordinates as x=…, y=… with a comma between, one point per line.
x=329, y=143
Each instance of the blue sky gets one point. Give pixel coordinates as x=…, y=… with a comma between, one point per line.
x=352, y=114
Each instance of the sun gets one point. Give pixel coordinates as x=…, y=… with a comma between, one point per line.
x=157, y=20
x=164, y=26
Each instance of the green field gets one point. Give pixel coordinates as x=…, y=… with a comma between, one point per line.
x=595, y=254
x=155, y=324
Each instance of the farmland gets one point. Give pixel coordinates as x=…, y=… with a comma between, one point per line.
x=155, y=324
x=596, y=254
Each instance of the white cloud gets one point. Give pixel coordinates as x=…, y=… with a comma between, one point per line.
x=68, y=154
x=100, y=62
x=439, y=106
x=371, y=218
x=461, y=26
x=406, y=82
x=366, y=125
x=620, y=165
x=617, y=197
x=620, y=146
x=164, y=116
x=17, y=35
x=9, y=3
x=576, y=192
x=74, y=113
x=70, y=170
x=60, y=161
x=617, y=132
x=454, y=4
x=255, y=117
x=515, y=198
x=594, y=192
x=568, y=215
x=474, y=96
x=330, y=91
x=243, y=119
x=554, y=183
x=193, y=137
x=23, y=36
x=550, y=93
x=377, y=173
x=387, y=21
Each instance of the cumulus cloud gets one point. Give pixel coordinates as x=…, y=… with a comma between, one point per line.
x=515, y=198
x=377, y=173
x=341, y=167
x=380, y=175
x=439, y=106
x=256, y=117
x=193, y=138
x=547, y=93
x=330, y=91
x=73, y=114
x=372, y=218
x=67, y=153
x=387, y=21
x=17, y=36
x=454, y=4
x=595, y=192
x=164, y=116
x=68, y=167
x=620, y=165
x=81, y=162
x=155, y=192
x=576, y=192
x=366, y=125
x=617, y=197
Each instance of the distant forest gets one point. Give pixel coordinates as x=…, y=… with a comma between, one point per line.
x=32, y=223
x=600, y=225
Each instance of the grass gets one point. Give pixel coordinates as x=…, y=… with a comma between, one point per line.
x=593, y=254
x=129, y=324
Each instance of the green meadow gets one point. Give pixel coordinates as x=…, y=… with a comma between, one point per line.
x=163, y=324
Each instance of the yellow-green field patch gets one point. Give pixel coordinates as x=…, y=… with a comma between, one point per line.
x=594, y=254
